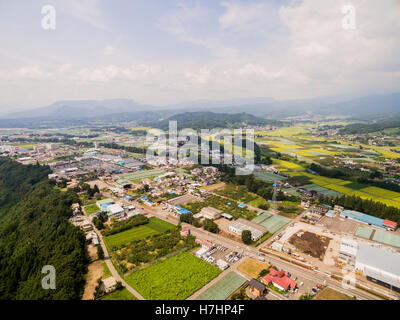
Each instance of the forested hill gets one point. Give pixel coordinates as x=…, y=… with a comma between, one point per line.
x=361, y=128
x=34, y=232
x=210, y=120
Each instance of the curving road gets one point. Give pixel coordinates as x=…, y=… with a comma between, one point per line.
x=111, y=267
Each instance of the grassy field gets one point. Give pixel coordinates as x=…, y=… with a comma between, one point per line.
x=155, y=226
x=175, y=278
x=122, y=294
x=90, y=209
x=330, y=294
x=252, y=267
x=106, y=272
x=145, y=174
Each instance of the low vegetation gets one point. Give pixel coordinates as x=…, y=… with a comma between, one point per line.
x=175, y=278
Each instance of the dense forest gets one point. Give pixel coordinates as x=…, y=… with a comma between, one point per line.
x=360, y=128
x=210, y=120
x=35, y=232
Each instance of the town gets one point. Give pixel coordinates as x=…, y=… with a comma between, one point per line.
x=278, y=242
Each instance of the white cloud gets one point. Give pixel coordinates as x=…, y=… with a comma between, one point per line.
x=87, y=11
x=246, y=16
x=32, y=72
x=109, y=51
x=200, y=77
x=113, y=72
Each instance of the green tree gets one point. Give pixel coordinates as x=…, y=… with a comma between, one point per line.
x=210, y=226
x=246, y=237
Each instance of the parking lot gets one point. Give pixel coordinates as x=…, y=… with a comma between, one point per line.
x=339, y=225
x=217, y=253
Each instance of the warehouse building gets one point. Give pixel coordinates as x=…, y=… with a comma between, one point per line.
x=210, y=213
x=115, y=210
x=348, y=251
x=241, y=224
x=379, y=266
x=370, y=220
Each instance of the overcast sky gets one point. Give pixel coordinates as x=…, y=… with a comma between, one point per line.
x=165, y=51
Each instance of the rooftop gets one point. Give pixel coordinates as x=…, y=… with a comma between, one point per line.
x=378, y=258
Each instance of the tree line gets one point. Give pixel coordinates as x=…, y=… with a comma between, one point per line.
x=35, y=232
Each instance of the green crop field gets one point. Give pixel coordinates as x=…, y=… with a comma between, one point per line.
x=381, y=192
x=145, y=174
x=91, y=209
x=269, y=176
x=155, y=226
x=288, y=165
x=175, y=278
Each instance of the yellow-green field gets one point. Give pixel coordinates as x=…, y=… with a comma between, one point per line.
x=288, y=165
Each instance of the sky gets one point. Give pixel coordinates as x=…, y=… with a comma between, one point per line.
x=162, y=52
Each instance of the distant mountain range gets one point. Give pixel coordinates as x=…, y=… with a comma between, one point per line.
x=373, y=107
x=73, y=109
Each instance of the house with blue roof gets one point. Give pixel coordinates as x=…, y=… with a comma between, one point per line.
x=181, y=210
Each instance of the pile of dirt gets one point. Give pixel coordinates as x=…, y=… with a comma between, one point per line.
x=310, y=243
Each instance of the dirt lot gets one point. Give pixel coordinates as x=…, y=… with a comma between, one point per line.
x=92, y=252
x=184, y=199
x=310, y=243
x=101, y=184
x=252, y=267
x=330, y=294
x=214, y=186
x=339, y=225
x=95, y=272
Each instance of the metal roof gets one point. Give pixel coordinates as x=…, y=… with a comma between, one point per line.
x=379, y=258
x=363, y=217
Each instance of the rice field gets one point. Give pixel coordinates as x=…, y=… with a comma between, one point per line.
x=381, y=192
x=268, y=176
x=288, y=165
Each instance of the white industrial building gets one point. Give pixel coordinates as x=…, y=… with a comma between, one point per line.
x=241, y=224
x=379, y=266
x=348, y=250
x=115, y=210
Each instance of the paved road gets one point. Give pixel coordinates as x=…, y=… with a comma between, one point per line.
x=111, y=267
x=312, y=275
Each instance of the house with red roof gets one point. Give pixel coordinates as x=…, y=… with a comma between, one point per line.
x=390, y=225
x=279, y=279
